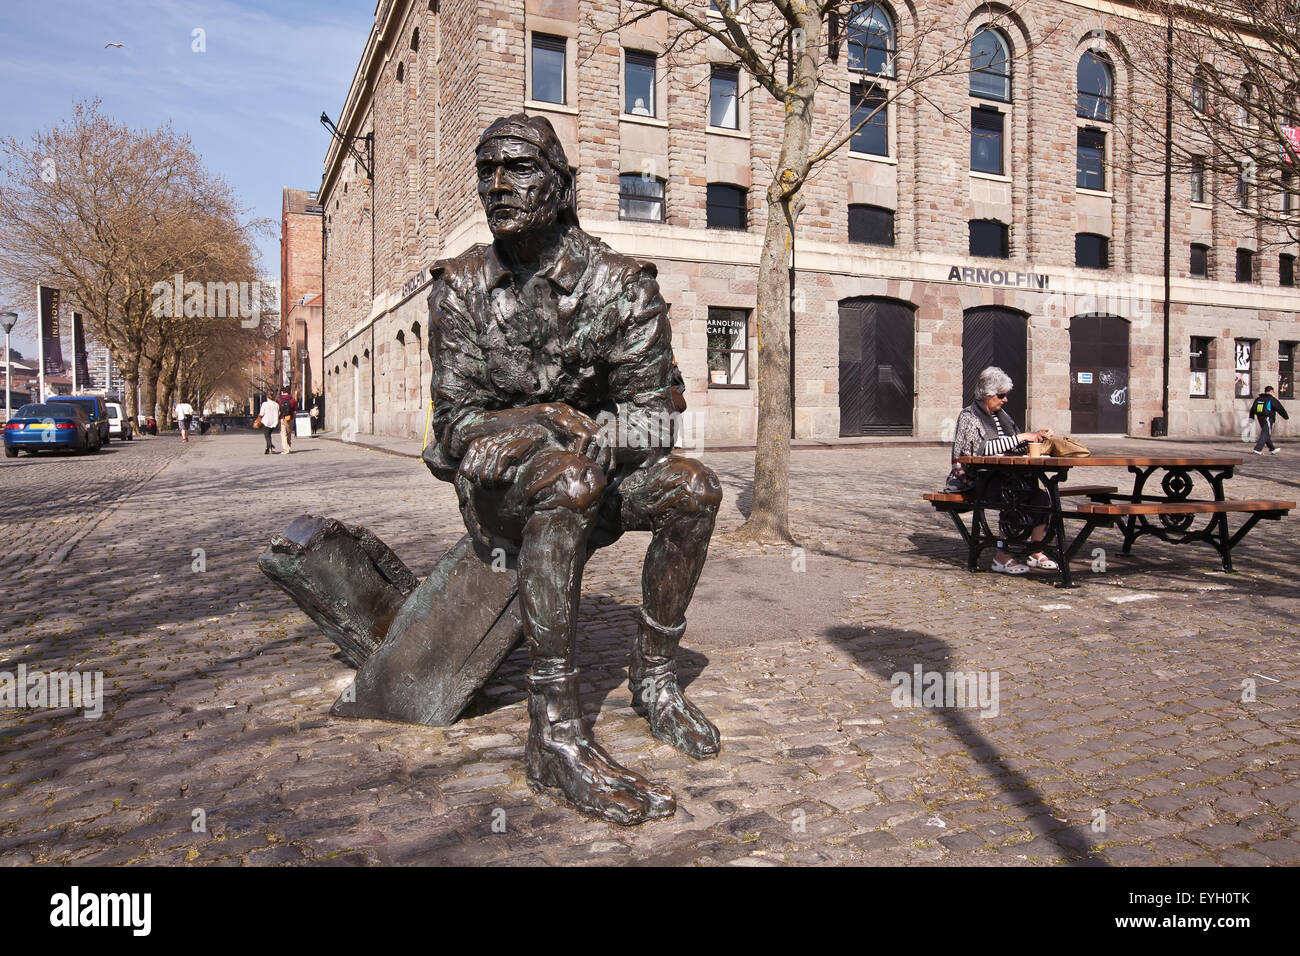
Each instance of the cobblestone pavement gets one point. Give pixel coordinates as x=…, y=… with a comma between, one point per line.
x=1121, y=735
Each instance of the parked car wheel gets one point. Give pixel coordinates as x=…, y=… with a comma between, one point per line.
x=11, y=452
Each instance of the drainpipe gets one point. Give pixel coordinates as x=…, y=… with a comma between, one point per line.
x=1169, y=148
x=789, y=76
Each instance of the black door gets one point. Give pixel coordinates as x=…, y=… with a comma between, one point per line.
x=1099, y=366
x=992, y=335
x=877, y=354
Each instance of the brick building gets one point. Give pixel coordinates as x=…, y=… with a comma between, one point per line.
x=1012, y=230
x=301, y=331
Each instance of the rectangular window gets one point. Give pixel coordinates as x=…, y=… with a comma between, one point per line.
x=1198, y=355
x=990, y=239
x=640, y=197
x=873, y=137
x=1200, y=267
x=1245, y=265
x=1288, y=193
x=1198, y=179
x=725, y=206
x=986, y=140
x=638, y=83
x=1286, y=369
x=1245, y=355
x=728, y=348
x=1286, y=269
x=1091, y=251
x=872, y=225
x=724, y=98
x=548, y=68
x=1243, y=186
x=1091, y=159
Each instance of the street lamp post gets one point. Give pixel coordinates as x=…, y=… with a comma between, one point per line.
x=8, y=320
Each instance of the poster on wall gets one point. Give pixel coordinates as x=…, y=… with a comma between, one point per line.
x=1200, y=387
x=1244, y=349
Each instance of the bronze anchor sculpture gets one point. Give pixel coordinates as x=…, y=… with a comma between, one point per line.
x=539, y=341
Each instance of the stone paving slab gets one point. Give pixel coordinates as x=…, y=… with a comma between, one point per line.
x=1121, y=732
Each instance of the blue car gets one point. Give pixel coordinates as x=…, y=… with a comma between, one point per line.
x=49, y=427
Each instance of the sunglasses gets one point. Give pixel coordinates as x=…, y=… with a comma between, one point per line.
x=1002, y=394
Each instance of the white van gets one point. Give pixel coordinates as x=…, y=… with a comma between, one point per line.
x=119, y=425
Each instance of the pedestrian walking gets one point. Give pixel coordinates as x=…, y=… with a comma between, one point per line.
x=269, y=418
x=185, y=419
x=287, y=408
x=1265, y=409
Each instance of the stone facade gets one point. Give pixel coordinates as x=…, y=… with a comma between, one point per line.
x=433, y=76
x=301, y=225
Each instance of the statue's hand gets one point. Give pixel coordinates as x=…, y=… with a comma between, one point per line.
x=578, y=433
x=489, y=460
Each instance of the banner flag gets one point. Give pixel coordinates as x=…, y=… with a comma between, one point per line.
x=51, y=344
x=79, y=353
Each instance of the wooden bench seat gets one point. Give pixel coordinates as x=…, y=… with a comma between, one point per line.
x=1066, y=491
x=1122, y=508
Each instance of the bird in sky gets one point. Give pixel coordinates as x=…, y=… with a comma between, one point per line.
x=117, y=45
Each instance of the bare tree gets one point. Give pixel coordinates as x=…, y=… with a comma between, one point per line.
x=1230, y=70
x=789, y=50
x=105, y=212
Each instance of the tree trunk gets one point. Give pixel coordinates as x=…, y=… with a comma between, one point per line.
x=131, y=383
x=151, y=390
x=769, y=517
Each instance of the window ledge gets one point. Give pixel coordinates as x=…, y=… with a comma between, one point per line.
x=873, y=158
x=550, y=107
x=643, y=120
x=1201, y=205
x=723, y=131
x=1102, y=193
x=991, y=177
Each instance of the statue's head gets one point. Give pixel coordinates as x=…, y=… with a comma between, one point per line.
x=524, y=179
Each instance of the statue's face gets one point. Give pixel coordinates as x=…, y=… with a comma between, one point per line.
x=519, y=189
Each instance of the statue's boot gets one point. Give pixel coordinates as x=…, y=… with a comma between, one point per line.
x=652, y=678
x=561, y=756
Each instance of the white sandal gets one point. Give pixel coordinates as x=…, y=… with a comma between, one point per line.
x=1043, y=564
x=1010, y=566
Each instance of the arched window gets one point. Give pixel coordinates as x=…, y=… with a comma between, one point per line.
x=1096, y=80
x=1200, y=86
x=401, y=337
x=990, y=65
x=401, y=72
x=1245, y=100
x=872, y=40
x=415, y=40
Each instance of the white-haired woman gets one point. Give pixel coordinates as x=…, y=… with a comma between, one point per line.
x=984, y=428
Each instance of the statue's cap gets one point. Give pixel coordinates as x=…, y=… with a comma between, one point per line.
x=531, y=129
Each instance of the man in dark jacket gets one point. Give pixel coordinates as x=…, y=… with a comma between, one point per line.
x=1265, y=409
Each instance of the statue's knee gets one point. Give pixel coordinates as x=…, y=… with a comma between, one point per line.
x=568, y=481
x=698, y=485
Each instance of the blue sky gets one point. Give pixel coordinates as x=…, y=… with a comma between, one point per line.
x=250, y=102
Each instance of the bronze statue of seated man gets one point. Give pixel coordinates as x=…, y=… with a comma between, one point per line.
x=538, y=341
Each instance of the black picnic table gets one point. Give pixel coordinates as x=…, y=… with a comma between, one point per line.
x=1008, y=485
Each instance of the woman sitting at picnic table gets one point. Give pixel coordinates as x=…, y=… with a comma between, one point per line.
x=985, y=429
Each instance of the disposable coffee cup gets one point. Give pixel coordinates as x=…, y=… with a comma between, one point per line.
x=1038, y=449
